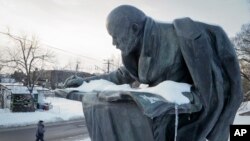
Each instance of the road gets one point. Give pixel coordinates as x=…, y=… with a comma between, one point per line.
x=61, y=131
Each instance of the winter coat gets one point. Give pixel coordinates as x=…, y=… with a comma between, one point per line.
x=40, y=129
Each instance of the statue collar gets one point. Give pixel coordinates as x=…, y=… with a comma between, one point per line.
x=151, y=38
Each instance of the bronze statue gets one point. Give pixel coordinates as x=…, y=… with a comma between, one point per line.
x=183, y=51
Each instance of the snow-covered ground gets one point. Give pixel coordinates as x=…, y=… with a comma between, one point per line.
x=245, y=107
x=62, y=110
x=88, y=139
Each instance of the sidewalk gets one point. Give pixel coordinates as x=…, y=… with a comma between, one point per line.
x=74, y=130
x=48, y=124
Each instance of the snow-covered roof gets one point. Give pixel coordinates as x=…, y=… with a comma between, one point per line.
x=19, y=89
x=6, y=84
x=41, y=88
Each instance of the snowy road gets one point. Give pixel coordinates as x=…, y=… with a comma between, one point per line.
x=65, y=131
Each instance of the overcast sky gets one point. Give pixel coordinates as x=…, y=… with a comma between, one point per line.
x=78, y=26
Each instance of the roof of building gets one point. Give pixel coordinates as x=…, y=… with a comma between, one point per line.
x=17, y=88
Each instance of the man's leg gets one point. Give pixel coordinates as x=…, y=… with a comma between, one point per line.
x=41, y=138
x=37, y=139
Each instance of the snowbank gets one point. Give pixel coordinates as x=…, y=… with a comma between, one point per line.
x=88, y=139
x=245, y=107
x=62, y=110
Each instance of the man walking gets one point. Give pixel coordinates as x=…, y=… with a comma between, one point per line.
x=40, y=131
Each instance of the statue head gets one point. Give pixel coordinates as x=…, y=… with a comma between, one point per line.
x=125, y=24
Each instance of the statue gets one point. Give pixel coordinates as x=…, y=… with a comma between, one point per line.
x=183, y=51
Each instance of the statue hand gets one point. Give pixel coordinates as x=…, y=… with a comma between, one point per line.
x=189, y=95
x=193, y=95
x=73, y=81
x=194, y=100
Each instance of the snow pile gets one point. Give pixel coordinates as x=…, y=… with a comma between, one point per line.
x=102, y=85
x=170, y=90
x=62, y=110
x=245, y=108
x=87, y=139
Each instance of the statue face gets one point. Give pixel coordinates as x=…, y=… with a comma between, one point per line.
x=125, y=24
x=124, y=38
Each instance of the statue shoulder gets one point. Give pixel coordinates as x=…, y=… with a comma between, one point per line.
x=187, y=28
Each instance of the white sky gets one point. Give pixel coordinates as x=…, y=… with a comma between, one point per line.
x=78, y=26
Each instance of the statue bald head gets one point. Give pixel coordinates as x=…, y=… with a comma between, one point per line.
x=125, y=24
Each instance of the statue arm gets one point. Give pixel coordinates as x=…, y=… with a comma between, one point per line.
x=231, y=68
x=120, y=76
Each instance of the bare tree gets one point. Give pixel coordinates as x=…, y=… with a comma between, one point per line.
x=242, y=45
x=27, y=56
x=1, y=65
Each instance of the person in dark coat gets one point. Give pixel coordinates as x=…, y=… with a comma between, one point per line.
x=40, y=131
x=183, y=51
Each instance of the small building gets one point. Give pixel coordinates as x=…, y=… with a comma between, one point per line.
x=17, y=97
x=8, y=80
x=22, y=100
x=5, y=97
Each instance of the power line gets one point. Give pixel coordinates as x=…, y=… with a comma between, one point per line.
x=108, y=62
x=50, y=46
x=70, y=52
x=62, y=50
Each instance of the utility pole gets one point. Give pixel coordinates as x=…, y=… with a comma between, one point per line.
x=77, y=67
x=108, y=62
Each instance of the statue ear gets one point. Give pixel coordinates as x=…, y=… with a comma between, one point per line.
x=135, y=28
